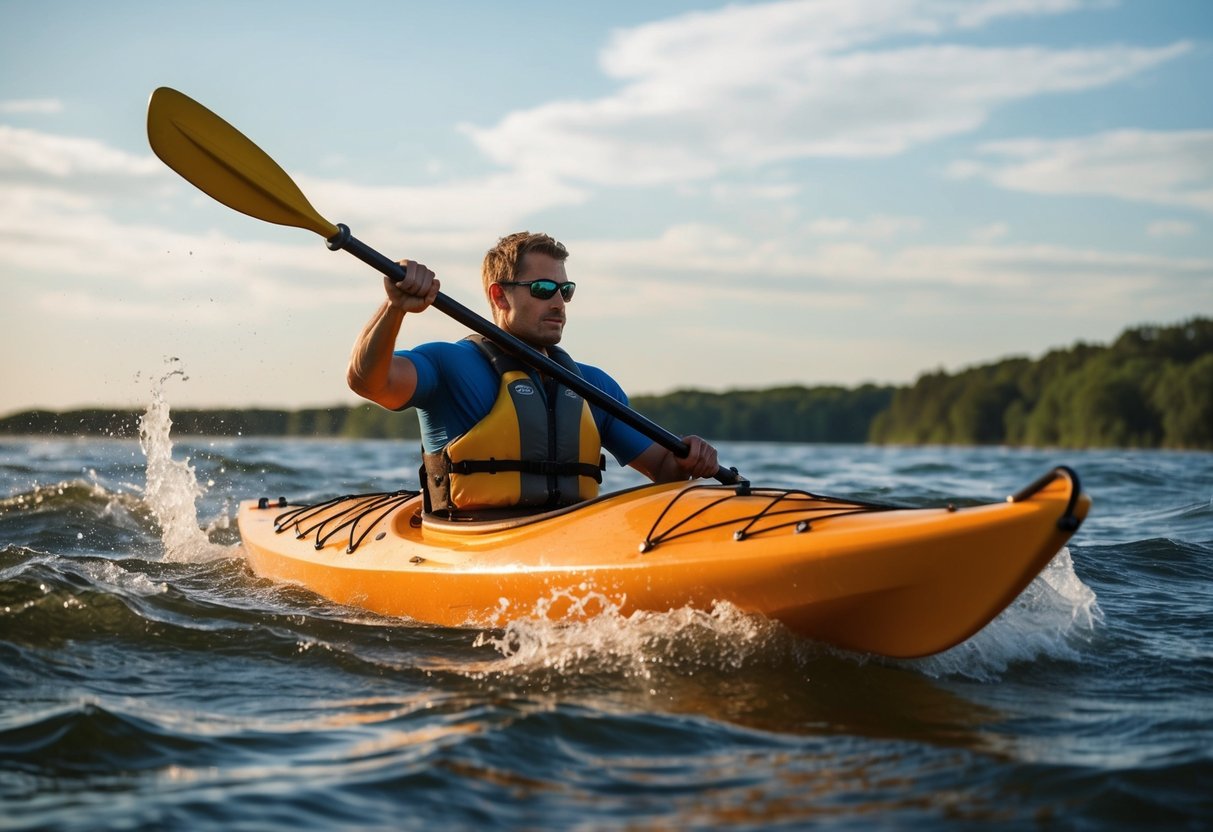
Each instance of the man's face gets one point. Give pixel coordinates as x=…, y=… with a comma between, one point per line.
x=538, y=322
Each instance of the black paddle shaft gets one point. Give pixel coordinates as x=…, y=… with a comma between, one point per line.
x=346, y=241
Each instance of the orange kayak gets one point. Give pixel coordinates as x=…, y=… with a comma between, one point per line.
x=893, y=581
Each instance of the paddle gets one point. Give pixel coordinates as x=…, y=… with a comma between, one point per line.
x=222, y=162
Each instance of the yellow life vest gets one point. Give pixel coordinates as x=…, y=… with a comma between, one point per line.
x=536, y=447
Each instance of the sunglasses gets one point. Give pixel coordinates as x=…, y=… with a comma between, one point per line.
x=544, y=289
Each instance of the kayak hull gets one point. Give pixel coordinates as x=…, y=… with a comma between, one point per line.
x=875, y=579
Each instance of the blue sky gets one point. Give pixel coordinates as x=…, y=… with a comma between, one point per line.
x=831, y=191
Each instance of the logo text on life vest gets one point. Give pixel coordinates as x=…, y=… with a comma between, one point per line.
x=524, y=389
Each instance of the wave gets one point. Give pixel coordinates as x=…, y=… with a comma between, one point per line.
x=68, y=495
x=86, y=738
x=214, y=609
x=79, y=516
x=1055, y=617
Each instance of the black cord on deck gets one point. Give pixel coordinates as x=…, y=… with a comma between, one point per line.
x=350, y=516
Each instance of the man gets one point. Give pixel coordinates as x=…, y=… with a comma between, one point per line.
x=496, y=434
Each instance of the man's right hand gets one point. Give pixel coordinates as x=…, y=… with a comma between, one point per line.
x=416, y=292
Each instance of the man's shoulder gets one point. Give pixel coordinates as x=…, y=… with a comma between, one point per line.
x=443, y=352
x=588, y=370
x=601, y=379
x=446, y=368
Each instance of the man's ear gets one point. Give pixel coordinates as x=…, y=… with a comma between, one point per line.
x=497, y=297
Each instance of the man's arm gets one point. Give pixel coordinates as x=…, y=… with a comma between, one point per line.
x=661, y=465
x=375, y=373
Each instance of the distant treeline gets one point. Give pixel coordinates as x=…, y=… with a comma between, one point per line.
x=1152, y=387
x=781, y=414
x=363, y=422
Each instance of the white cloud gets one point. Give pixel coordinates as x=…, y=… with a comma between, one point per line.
x=64, y=233
x=1170, y=228
x=66, y=203
x=1033, y=271
x=90, y=308
x=707, y=93
x=31, y=106
x=973, y=15
x=726, y=192
x=1162, y=167
x=473, y=204
x=990, y=233
x=34, y=153
x=674, y=47
x=879, y=227
x=708, y=259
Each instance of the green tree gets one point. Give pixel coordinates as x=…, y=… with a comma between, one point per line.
x=1184, y=395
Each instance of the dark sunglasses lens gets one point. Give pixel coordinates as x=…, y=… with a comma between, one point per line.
x=543, y=289
x=546, y=289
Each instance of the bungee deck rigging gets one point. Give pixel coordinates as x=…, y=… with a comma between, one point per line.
x=802, y=506
x=347, y=511
x=768, y=510
x=778, y=509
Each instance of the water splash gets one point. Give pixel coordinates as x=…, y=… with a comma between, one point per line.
x=1052, y=618
x=587, y=635
x=172, y=485
x=594, y=638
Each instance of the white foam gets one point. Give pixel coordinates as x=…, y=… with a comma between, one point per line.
x=111, y=574
x=1051, y=619
x=172, y=486
x=594, y=637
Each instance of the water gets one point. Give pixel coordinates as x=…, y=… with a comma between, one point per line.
x=149, y=680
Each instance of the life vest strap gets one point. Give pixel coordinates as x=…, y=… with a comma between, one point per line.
x=547, y=468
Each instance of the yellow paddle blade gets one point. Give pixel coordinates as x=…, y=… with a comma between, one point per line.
x=222, y=162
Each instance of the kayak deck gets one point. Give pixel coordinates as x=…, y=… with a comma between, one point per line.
x=864, y=576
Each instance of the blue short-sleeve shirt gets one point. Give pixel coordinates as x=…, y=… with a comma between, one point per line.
x=457, y=386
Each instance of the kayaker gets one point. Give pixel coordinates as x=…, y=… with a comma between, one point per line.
x=494, y=433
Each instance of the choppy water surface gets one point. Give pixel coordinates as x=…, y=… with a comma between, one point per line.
x=149, y=680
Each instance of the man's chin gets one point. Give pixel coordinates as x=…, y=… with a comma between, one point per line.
x=540, y=342
x=550, y=336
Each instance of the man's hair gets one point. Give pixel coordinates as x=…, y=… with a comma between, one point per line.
x=503, y=261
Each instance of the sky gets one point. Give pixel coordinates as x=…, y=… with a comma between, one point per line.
x=753, y=194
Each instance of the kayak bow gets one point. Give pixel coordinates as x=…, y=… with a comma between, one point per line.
x=894, y=581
